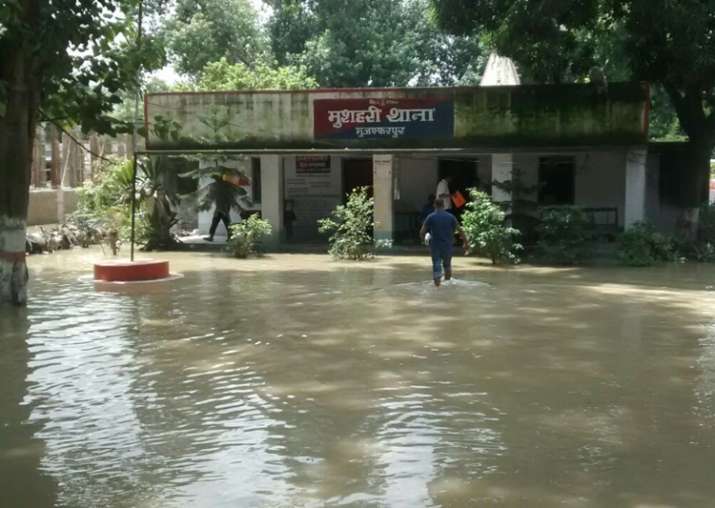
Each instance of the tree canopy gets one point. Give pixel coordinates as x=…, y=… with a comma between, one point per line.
x=222, y=75
x=204, y=31
x=347, y=43
x=67, y=61
x=671, y=44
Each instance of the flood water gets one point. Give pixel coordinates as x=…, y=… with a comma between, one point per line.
x=296, y=381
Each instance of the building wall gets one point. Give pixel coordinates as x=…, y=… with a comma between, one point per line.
x=505, y=116
x=599, y=178
x=42, y=208
x=313, y=195
x=416, y=179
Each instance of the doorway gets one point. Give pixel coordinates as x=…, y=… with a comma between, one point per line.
x=357, y=173
x=464, y=173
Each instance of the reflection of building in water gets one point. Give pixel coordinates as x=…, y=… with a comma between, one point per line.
x=572, y=144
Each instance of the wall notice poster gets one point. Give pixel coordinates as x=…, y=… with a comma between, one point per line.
x=311, y=176
x=312, y=164
x=431, y=118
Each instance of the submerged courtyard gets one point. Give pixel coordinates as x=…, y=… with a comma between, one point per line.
x=296, y=380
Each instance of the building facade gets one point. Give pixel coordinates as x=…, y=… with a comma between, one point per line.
x=304, y=150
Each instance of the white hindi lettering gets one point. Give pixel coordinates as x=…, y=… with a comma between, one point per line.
x=411, y=115
x=373, y=114
x=337, y=118
x=395, y=132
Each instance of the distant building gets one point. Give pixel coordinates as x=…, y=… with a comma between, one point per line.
x=577, y=144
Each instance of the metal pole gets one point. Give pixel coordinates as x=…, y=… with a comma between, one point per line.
x=140, y=19
x=134, y=203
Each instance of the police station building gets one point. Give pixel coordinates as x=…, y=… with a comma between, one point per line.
x=574, y=144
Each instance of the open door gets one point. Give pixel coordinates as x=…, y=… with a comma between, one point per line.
x=357, y=173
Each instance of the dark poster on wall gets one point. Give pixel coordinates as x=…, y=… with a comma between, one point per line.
x=312, y=164
x=364, y=119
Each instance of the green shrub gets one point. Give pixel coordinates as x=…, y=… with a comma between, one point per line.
x=246, y=236
x=641, y=245
x=487, y=233
x=564, y=235
x=351, y=226
x=702, y=248
x=704, y=252
x=104, y=203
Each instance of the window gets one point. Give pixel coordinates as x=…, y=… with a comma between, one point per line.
x=556, y=181
x=256, y=179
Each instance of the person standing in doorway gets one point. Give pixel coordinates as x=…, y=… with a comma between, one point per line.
x=443, y=192
x=441, y=227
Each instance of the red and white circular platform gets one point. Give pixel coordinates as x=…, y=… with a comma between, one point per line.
x=131, y=271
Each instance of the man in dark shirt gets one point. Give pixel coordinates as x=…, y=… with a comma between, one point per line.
x=222, y=195
x=441, y=227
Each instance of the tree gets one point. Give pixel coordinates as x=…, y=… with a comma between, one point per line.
x=670, y=44
x=223, y=75
x=349, y=43
x=203, y=31
x=68, y=59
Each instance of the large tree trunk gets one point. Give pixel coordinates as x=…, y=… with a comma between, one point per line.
x=699, y=124
x=697, y=173
x=17, y=129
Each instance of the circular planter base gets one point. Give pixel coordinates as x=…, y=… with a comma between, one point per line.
x=130, y=271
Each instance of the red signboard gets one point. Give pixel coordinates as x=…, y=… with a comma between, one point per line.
x=358, y=119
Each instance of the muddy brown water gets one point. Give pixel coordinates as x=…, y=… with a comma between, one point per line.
x=294, y=380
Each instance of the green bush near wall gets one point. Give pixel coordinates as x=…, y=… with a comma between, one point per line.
x=484, y=225
x=351, y=227
x=247, y=235
x=565, y=235
x=642, y=245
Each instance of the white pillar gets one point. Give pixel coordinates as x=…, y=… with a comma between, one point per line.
x=502, y=166
x=382, y=182
x=635, y=185
x=272, y=195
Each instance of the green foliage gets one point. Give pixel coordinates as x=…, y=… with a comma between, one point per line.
x=351, y=227
x=521, y=210
x=82, y=55
x=157, y=205
x=246, y=236
x=564, y=235
x=641, y=245
x=105, y=204
x=347, y=43
x=166, y=128
x=668, y=43
x=204, y=31
x=664, y=123
x=222, y=75
x=487, y=233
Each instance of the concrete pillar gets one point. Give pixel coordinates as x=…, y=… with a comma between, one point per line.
x=502, y=166
x=272, y=195
x=636, y=184
x=382, y=184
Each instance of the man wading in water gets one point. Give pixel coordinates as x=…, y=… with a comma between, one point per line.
x=441, y=227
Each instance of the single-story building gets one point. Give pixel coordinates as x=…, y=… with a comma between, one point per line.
x=574, y=144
